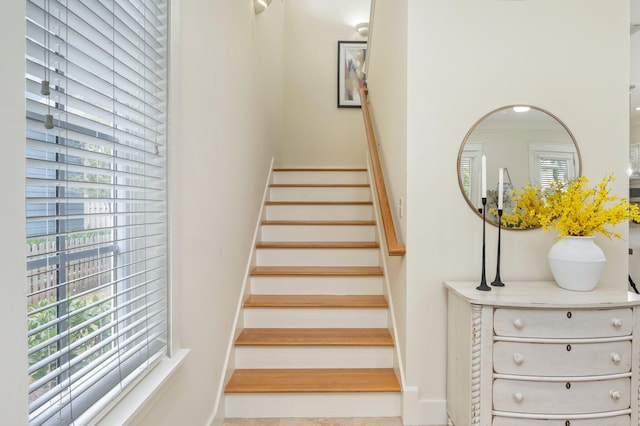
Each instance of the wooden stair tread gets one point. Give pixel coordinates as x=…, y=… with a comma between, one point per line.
x=319, y=169
x=320, y=222
x=316, y=271
x=319, y=203
x=314, y=337
x=315, y=301
x=319, y=185
x=313, y=380
x=319, y=244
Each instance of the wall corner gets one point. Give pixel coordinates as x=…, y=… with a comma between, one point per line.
x=416, y=411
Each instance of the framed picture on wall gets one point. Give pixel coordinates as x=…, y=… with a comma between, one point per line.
x=351, y=72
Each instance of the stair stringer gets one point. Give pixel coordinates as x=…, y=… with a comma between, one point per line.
x=393, y=329
x=217, y=416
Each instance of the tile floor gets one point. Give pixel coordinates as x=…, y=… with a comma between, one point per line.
x=337, y=421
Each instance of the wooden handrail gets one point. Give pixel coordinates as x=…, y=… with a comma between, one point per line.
x=394, y=247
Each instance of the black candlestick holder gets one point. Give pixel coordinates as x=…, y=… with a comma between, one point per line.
x=483, y=281
x=498, y=282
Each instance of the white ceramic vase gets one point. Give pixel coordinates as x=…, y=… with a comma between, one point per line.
x=576, y=263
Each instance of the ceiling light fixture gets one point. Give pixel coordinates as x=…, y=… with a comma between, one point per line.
x=521, y=108
x=260, y=6
x=363, y=29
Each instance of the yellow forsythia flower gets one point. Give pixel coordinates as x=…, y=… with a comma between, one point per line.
x=570, y=208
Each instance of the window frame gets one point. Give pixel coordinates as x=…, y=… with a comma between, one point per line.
x=65, y=115
x=473, y=153
x=550, y=151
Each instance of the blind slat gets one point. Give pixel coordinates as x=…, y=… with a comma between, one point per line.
x=95, y=199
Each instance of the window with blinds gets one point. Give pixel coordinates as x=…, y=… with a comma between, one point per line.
x=552, y=169
x=469, y=170
x=465, y=174
x=96, y=201
x=550, y=162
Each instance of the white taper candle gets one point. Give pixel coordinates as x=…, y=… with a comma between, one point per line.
x=484, y=176
x=500, y=187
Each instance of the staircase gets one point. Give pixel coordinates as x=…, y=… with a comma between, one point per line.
x=315, y=341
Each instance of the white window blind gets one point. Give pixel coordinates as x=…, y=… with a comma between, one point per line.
x=96, y=200
x=465, y=174
x=552, y=169
x=552, y=161
x=469, y=171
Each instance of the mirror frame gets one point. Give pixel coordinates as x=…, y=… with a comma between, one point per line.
x=477, y=209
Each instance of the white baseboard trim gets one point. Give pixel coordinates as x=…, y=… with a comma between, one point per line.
x=425, y=412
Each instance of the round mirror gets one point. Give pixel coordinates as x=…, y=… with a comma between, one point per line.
x=528, y=143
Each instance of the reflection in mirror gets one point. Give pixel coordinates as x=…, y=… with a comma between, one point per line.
x=529, y=143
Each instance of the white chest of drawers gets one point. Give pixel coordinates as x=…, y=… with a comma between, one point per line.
x=532, y=353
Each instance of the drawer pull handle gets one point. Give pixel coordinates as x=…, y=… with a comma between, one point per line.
x=616, y=322
x=569, y=314
x=568, y=385
x=518, y=358
x=615, y=358
x=517, y=323
x=568, y=348
x=615, y=395
x=567, y=423
x=519, y=397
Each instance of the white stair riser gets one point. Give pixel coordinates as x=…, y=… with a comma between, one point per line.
x=343, y=404
x=314, y=357
x=316, y=285
x=319, y=212
x=317, y=233
x=320, y=194
x=347, y=177
x=317, y=257
x=315, y=317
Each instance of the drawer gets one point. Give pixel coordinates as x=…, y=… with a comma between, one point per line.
x=562, y=359
x=545, y=397
x=606, y=421
x=561, y=323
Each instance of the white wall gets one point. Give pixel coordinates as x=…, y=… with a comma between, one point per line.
x=509, y=148
x=467, y=58
x=13, y=327
x=315, y=131
x=387, y=83
x=635, y=71
x=227, y=97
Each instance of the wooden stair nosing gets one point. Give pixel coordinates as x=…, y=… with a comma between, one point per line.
x=314, y=337
x=320, y=380
x=319, y=203
x=319, y=185
x=319, y=245
x=319, y=169
x=354, y=271
x=320, y=222
x=315, y=301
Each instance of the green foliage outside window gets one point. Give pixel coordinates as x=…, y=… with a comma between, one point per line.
x=49, y=314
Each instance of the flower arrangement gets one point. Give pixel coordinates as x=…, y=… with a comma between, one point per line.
x=571, y=208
